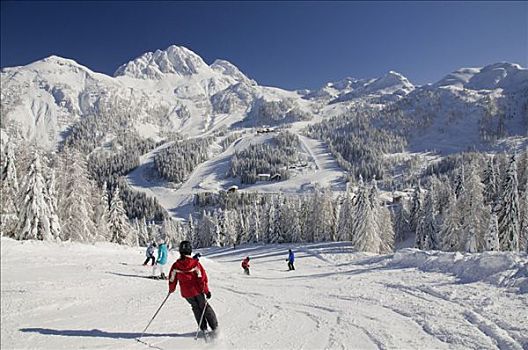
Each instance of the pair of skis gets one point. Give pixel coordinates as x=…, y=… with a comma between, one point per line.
x=204, y=333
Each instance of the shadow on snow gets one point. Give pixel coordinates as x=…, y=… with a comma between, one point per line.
x=97, y=333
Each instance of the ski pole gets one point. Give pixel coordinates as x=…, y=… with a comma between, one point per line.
x=201, y=319
x=153, y=317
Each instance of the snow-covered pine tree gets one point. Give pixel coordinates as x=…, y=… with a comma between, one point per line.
x=344, y=223
x=523, y=206
x=254, y=223
x=76, y=211
x=321, y=221
x=491, y=239
x=522, y=170
x=243, y=226
x=508, y=212
x=294, y=229
x=118, y=221
x=400, y=214
x=8, y=193
x=207, y=231
x=450, y=234
x=474, y=214
x=427, y=230
x=273, y=225
x=490, y=183
x=230, y=229
x=51, y=199
x=168, y=232
x=190, y=231
x=102, y=214
x=35, y=212
x=460, y=181
x=416, y=207
x=365, y=230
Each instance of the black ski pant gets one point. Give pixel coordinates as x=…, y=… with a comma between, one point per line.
x=290, y=265
x=246, y=270
x=198, y=304
x=147, y=260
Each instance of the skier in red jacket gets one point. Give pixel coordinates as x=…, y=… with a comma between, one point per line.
x=245, y=265
x=193, y=286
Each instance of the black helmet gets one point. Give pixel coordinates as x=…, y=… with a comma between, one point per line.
x=185, y=248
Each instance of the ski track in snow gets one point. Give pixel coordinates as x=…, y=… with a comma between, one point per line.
x=65, y=296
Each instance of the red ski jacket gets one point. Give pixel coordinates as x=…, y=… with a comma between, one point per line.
x=191, y=275
x=245, y=263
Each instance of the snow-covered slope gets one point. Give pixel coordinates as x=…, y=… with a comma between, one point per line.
x=100, y=297
x=504, y=75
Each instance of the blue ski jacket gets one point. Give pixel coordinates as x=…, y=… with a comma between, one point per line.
x=162, y=254
x=291, y=257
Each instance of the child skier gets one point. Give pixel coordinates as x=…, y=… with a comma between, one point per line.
x=150, y=254
x=193, y=286
x=245, y=265
x=290, y=260
x=162, y=260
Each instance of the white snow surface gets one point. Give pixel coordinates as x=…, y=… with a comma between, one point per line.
x=71, y=296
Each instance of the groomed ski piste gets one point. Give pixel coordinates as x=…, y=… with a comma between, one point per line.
x=73, y=296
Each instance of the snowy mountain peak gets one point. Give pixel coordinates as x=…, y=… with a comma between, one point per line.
x=390, y=82
x=155, y=65
x=227, y=68
x=502, y=75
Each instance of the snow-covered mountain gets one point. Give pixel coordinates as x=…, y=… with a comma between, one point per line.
x=504, y=75
x=392, y=85
x=175, y=90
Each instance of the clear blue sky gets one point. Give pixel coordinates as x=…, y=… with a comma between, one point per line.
x=285, y=44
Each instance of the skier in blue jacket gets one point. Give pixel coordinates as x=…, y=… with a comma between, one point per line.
x=162, y=260
x=290, y=260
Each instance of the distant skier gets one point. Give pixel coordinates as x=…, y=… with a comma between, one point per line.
x=193, y=286
x=290, y=260
x=162, y=260
x=245, y=265
x=197, y=256
x=150, y=254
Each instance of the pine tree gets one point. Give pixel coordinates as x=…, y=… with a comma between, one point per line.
x=76, y=211
x=344, y=223
x=382, y=217
x=401, y=221
x=254, y=224
x=427, y=230
x=191, y=231
x=450, y=233
x=491, y=239
x=490, y=183
x=51, y=199
x=459, y=182
x=416, y=208
x=523, y=204
x=119, y=228
x=102, y=215
x=8, y=193
x=386, y=230
x=321, y=221
x=508, y=212
x=36, y=214
x=474, y=214
x=365, y=230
